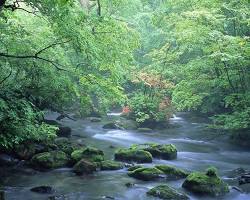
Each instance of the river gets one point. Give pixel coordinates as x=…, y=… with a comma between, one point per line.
x=197, y=147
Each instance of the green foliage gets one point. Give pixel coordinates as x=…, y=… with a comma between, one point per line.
x=146, y=109
x=58, y=55
x=19, y=121
x=205, y=53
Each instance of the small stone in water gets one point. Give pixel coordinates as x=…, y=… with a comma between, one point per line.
x=129, y=185
x=43, y=189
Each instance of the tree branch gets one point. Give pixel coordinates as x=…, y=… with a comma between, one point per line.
x=55, y=64
x=1, y=82
x=99, y=11
x=50, y=46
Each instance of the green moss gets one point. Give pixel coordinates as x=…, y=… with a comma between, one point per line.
x=77, y=155
x=146, y=174
x=49, y=160
x=84, y=167
x=201, y=183
x=211, y=171
x=110, y=165
x=89, y=153
x=172, y=172
x=166, y=192
x=134, y=168
x=130, y=155
x=164, y=151
x=65, y=145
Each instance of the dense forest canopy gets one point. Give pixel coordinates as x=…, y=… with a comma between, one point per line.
x=157, y=57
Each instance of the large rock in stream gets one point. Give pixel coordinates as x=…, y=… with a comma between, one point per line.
x=162, y=151
x=133, y=155
x=112, y=125
x=166, y=192
x=49, y=160
x=63, y=131
x=89, y=153
x=159, y=171
x=65, y=145
x=43, y=189
x=206, y=183
x=84, y=167
x=146, y=174
x=172, y=172
x=110, y=165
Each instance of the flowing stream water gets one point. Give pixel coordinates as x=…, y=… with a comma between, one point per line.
x=197, y=147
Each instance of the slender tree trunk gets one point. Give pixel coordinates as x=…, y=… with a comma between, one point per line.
x=99, y=9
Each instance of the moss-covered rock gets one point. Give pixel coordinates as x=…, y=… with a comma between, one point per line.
x=49, y=160
x=146, y=174
x=133, y=155
x=127, y=124
x=134, y=168
x=205, y=183
x=84, y=167
x=166, y=192
x=112, y=125
x=63, y=131
x=110, y=165
x=163, y=151
x=172, y=172
x=95, y=119
x=65, y=145
x=88, y=153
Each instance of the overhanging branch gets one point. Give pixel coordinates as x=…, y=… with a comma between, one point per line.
x=54, y=63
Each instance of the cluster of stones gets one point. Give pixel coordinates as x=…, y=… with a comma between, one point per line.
x=86, y=160
x=207, y=183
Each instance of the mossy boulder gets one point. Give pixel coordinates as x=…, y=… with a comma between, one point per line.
x=205, y=183
x=110, y=165
x=95, y=119
x=84, y=167
x=172, y=172
x=133, y=155
x=88, y=153
x=112, y=125
x=65, y=145
x=134, y=168
x=163, y=151
x=49, y=160
x=146, y=174
x=127, y=124
x=63, y=131
x=166, y=192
